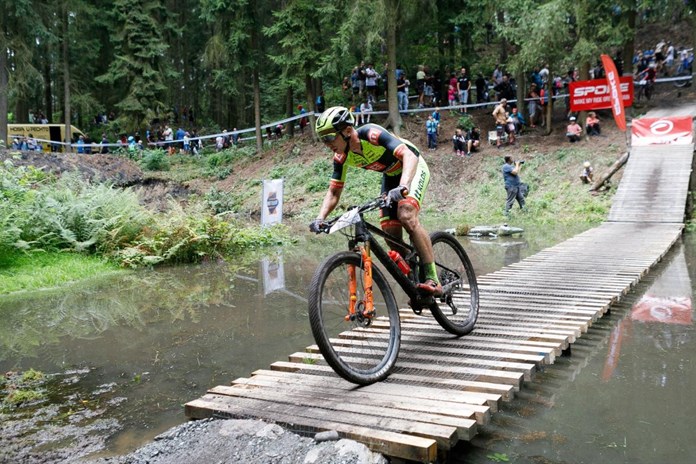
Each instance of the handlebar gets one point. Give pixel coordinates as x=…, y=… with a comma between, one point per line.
x=375, y=203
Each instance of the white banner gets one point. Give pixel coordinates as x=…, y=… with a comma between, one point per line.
x=272, y=202
x=273, y=274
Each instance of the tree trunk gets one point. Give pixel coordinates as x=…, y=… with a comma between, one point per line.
x=521, y=85
x=582, y=116
x=503, y=42
x=549, y=106
x=394, y=119
x=311, y=100
x=612, y=170
x=4, y=78
x=289, y=108
x=66, y=79
x=629, y=44
x=257, y=109
x=48, y=94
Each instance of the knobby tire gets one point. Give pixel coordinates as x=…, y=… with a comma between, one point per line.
x=371, y=354
x=459, y=312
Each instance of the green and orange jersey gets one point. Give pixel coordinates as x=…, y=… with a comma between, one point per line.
x=381, y=151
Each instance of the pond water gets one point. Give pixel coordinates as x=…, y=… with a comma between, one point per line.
x=139, y=346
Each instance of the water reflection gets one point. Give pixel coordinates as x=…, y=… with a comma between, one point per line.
x=164, y=336
x=624, y=396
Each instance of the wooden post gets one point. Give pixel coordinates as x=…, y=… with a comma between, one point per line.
x=612, y=170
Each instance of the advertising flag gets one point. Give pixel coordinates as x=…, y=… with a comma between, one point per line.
x=613, y=79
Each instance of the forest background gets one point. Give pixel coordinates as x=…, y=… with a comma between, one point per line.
x=241, y=63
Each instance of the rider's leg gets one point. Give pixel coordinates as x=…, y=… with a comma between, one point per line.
x=408, y=215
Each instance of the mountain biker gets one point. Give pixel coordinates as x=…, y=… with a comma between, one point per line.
x=649, y=74
x=404, y=180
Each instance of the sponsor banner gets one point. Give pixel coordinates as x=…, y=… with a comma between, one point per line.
x=273, y=273
x=596, y=94
x=667, y=310
x=272, y=202
x=659, y=131
x=615, y=92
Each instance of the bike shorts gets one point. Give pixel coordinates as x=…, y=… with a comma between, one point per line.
x=416, y=191
x=500, y=130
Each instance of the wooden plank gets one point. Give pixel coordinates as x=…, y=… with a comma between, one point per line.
x=505, y=390
x=438, y=361
x=424, y=424
x=426, y=395
x=380, y=441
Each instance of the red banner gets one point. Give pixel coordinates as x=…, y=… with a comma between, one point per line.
x=658, y=131
x=596, y=94
x=674, y=310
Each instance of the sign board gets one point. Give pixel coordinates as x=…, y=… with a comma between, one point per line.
x=272, y=202
x=676, y=130
x=596, y=94
x=273, y=274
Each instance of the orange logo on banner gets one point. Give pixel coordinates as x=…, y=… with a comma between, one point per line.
x=617, y=106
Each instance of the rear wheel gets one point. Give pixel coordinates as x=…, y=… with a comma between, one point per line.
x=362, y=350
x=681, y=72
x=457, y=310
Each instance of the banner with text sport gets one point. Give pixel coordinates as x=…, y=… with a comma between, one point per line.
x=596, y=94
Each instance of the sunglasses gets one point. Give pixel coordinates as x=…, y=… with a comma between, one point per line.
x=328, y=138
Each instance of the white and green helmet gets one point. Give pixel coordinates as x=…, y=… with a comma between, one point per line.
x=333, y=120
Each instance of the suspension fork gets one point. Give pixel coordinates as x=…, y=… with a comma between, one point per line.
x=367, y=308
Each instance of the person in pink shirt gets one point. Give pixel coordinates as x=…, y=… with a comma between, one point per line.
x=592, y=124
x=574, y=131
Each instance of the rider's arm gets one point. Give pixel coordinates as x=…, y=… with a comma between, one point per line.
x=330, y=201
x=409, y=162
x=333, y=194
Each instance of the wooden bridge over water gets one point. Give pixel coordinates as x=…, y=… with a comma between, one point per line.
x=443, y=388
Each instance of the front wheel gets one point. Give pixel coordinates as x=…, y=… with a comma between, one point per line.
x=358, y=355
x=457, y=310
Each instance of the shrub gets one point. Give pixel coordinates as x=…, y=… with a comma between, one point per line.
x=155, y=160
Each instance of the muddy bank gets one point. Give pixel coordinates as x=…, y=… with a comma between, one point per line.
x=118, y=170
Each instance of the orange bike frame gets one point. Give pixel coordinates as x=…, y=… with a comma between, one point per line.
x=369, y=302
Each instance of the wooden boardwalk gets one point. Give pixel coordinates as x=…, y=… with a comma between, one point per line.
x=443, y=388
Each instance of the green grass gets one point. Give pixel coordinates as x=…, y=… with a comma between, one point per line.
x=21, y=272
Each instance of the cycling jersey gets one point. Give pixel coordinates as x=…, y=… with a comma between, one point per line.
x=382, y=152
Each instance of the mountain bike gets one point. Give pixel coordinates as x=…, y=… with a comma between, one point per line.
x=645, y=88
x=352, y=308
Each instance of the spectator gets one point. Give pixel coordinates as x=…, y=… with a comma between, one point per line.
x=235, y=136
x=187, y=143
x=402, y=91
x=511, y=177
x=365, y=112
x=500, y=116
x=220, y=140
x=420, y=85
x=104, y=145
x=463, y=85
x=321, y=103
x=543, y=101
x=505, y=90
x=451, y=95
x=459, y=142
x=497, y=77
x=436, y=117
x=431, y=131
x=168, y=138
x=278, y=131
x=473, y=140
x=574, y=131
x=481, y=89
x=303, y=119
x=533, y=105
x=586, y=176
x=592, y=124
x=81, y=144
x=517, y=120
x=355, y=83
x=371, y=82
